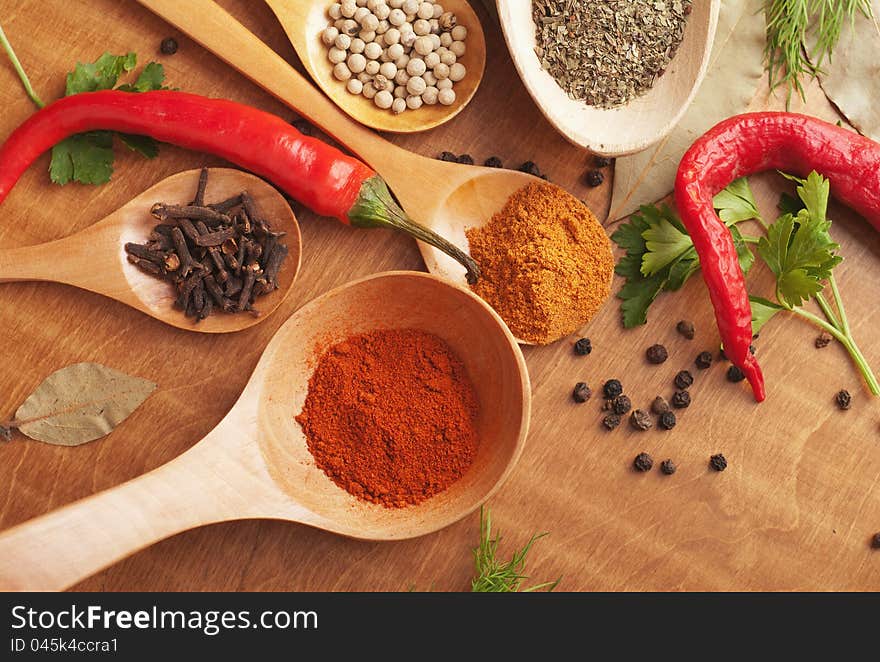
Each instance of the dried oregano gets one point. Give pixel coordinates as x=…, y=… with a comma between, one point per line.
x=607, y=52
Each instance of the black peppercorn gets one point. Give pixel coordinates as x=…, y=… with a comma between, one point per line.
x=493, y=162
x=621, y=405
x=823, y=340
x=668, y=467
x=704, y=360
x=734, y=374
x=718, y=462
x=686, y=329
x=530, y=168
x=583, y=347
x=465, y=159
x=844, y=399
x=681, y=399
x=641, y=420
x=643, y=462
x=595, y=178
x=656, y=354
x=611, y=421
x=667, y=420
x=875, y=541
x=684, y=380
x=659, y=406
x=601, y=161
x=168, y=46
x=581, y=392
x=612, y=389
x=448, y=156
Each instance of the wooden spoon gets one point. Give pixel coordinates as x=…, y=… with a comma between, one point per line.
x=95, y=258
x=304, y=20
x=629, y=128
x=255, y=463
x=447, y=197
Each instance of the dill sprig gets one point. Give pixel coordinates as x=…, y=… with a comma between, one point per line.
x=494, y=576
x=789, y=22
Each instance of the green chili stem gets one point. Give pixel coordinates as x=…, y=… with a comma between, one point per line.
x=19, y=70
x=848, y=343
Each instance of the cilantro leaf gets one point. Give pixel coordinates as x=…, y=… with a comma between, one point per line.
x=736, y=202
x=88, y=157
x=762, y=311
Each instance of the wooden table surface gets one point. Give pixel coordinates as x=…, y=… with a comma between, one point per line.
x=794, y=510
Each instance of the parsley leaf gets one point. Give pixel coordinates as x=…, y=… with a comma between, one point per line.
x=88, y=157
x=762, y=310
x=736, y=202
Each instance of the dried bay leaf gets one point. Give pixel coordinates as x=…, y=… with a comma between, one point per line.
x=80, y=403
x=735, y=70
x=850, y=78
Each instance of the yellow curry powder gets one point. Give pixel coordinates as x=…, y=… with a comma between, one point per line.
x=546, y=263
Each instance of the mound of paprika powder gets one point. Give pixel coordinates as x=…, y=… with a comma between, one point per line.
x=390, y=416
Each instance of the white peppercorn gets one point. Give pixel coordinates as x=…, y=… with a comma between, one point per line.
x=448, y=58
x=336, y=55
x=431, y=60
x=356, y=63
x=430, y=78
x=429, y=96
x=342, y=41
x=408, y=39
x=364, y=77
x=414, y=102
x=355, y=86
x=396, y=17
x=357, y=45
x=380, y=82
x=435, y=41
x=446, y=40
x=339, y=24
x=410, y=7
x=435, y=26
x=370, y=22
x=372, y=51
x=388, y=69
x=423, y=45
x=448, y=20
x=400, y=92
x=382, y=11
x=350, y=27
x=369, y=90
x=348, y=8
x=394, y=52
x=383, y=99
x=402, y=78
x=398, y=106
x=372, y=68
x=422, y=27
x=335, y=10
x=441, y=71
x=438, y=10
x=416, y=85
x=367, y=36
x=372, y=4
x=383, y=27
x=395, y=4
x=426, y=10
x=459, y=33
x=402, y=61
x=458, y=48
x=416, y=67
x=446, y=97
x=361, y=14
x=444, y=84
x=392, y=36
x=457, y=72
x=341, y=71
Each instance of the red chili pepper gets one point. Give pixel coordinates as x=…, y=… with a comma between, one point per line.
x=750, y=143
x=309, y=170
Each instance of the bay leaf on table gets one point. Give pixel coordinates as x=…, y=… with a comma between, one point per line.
x=850, y=78
x=736, y=67
x=80, y=403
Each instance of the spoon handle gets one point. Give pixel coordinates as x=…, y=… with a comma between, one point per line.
x=57, y=550
x=220, y=33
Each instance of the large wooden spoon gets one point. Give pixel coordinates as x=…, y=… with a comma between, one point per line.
x=304, y=20
x=95, y=258
x=447, y=197
x=256, y=464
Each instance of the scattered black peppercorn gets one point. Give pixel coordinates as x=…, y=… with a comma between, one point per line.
x=621, y=405
x=875, y=541
x=734, y=374
x=583, y=347
x=493, y=162
x=681, y=399
x=612, y=389
x=823, y=340
x=601, y=161
x=641, y=420
x=718, y=462
x=643, y=462
x=595, y=178
x=5, y=433
x=465, y=159
x=611, y=421
x=656, y=354
x=704, y=360
x=668, y=467
x=684, y=379
x=168, y=46
x=659, y=406
x=844, y=399
x=530, y=168
x=667, y=420
x=581, y=392
x=686, y=329
x=448, y=156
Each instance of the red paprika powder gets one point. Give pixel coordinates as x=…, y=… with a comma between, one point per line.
x=390, y=416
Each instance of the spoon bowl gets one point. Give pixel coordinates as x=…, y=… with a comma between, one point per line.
x=256, y=464
x=634, y=126
x=95, y=258
x=304, y=20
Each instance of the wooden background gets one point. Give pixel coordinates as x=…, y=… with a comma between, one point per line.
x=794, y=510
